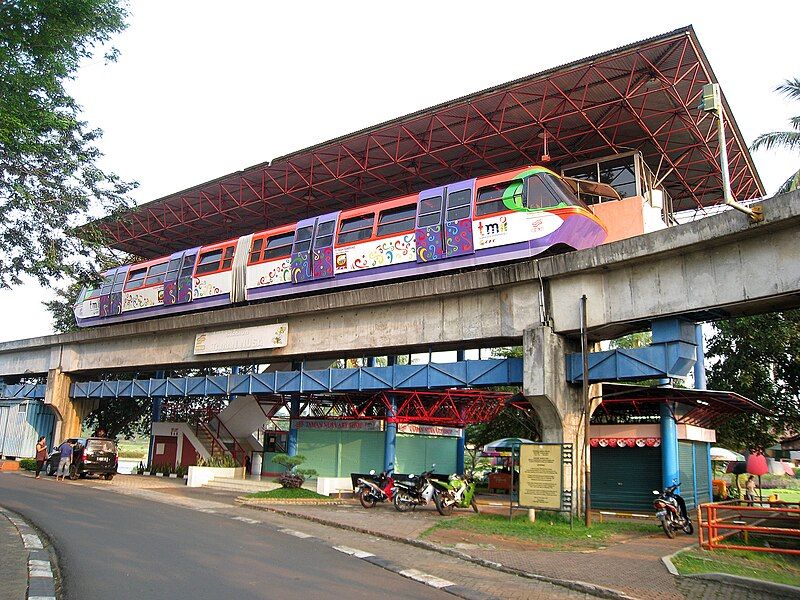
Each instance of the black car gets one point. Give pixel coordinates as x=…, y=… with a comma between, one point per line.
x=90, y=456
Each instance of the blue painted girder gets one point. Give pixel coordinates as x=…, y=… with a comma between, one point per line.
x=461, y=374
x=24, y=391
x=671, y=359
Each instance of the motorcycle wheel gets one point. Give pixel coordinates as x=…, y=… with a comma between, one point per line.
x=366, y=498
x=667, y=529
x=444, y=507
x=474, y=506
x=402, y=501
x=688, y=529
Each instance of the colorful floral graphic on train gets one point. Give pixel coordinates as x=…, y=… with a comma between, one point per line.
x=385, y=252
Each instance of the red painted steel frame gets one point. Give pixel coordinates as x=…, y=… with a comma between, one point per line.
x=714, y=525
x=641, y=96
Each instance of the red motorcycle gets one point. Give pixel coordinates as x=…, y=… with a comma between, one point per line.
x=375, y=488
x=671, y=511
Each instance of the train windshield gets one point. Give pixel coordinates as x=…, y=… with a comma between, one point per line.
x=545, y=190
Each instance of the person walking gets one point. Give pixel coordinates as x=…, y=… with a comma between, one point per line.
x=65, y=451
x=41, y=455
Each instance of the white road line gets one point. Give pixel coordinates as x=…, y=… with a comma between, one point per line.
x=430, y=580
x=246, y=520
x=353, y=551
x=41, y=598
x=41, y=573
x=297, y=534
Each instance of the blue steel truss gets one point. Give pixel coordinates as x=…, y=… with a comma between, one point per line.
x=23, y=391
x=461, y=374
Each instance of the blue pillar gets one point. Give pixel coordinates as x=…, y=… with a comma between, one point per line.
x=371, y=361
x=700, y=362
x=710, y=474
x=670, y=471
x=294, y=413
x=460, y=452
x=459, y=355
x=390, y=440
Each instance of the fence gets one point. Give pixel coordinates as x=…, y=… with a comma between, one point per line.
x=779, y=522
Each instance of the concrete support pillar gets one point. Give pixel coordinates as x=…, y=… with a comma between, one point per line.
x=294, y=413
x=558, y=404
x=390, y=440
x=700, y=382
x=460, y=453
x=69, y=413
x=670, y=473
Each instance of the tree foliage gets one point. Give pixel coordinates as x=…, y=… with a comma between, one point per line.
x=784, y=139
x=49, y=178
x=759, y=358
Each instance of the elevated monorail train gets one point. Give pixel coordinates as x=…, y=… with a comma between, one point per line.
x=512, y=215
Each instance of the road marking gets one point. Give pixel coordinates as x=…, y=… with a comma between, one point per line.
x=41, y=598
x=352, y=551
x=297, y=534
x=430, y=580
x=246, y=520
x=209, y=511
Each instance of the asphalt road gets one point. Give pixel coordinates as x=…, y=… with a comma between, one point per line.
x=122, y=547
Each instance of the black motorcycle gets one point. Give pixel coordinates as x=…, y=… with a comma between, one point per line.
x=413, y=491
x=671, y=511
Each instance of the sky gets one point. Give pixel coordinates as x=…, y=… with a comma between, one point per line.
x=202, y=89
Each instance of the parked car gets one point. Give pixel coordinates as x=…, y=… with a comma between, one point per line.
x=91, y=456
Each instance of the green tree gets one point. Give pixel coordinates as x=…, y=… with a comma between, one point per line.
x=759, y=358
x=50, y=182
x=784, y=139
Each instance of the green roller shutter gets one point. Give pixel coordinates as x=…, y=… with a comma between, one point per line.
x=624, y=478
x=321, y=449
x=701, y=451
x=417, y=453
x=338, y=453
x=686, y=467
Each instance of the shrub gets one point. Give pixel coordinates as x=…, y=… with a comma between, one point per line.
x=217, y=461
x=29, y=464
x=293, y=477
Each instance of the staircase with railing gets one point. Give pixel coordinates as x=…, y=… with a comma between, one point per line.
x=217, y=439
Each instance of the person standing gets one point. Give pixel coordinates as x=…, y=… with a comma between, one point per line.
x=65, y=451
x=750, y=489
x=41, y=455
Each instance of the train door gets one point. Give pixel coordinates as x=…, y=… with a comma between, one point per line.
x=111, y=292
x=312, y=251
x=178, y=280
x=444, y=222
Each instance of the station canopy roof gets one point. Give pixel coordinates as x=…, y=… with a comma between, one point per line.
x=701, y=408
x=643, y=97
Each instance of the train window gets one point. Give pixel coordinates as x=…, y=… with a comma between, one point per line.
x=279, y=245
x=430, y=211
x=209, y=262
x=458, y=205
x=156, y=274
x=119, y=281
x=490, y=198
x=135, y=278
x=356, y=229
x=302, y=241
x=172, y=268
x=539, y=195
x=188, y=265
x=108, y=281
x=324, y=234
x=397, y=220
x=255, y=250
x=226, y=262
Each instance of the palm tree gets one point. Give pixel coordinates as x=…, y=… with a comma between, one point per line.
x=784, y=139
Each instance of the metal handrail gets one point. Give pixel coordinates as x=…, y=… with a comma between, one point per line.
x=715, y=529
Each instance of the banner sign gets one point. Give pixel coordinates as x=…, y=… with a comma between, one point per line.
x=541, y=476
x=340, y=425
x=429, y=430
x=240, y=340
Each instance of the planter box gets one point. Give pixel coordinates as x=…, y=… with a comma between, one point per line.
x=199, y=476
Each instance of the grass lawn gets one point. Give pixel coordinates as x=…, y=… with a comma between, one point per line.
x=550, y=531
x=778, y=568
x=136, y=448
x=288, y=493
x=785, y=495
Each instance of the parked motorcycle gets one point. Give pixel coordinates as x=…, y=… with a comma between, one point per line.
x=414, y=491
x=671, y=511
x=457, y=491
x=375, y=489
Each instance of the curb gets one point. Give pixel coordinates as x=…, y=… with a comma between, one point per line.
x=578, y=586
x=42, y=570
x=257, y=502
x=746, y=583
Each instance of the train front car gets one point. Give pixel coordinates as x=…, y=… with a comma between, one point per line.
x=525, y=213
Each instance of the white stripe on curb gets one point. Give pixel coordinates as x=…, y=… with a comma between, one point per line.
x=353, y=552
x=246, y=520
x=32, y=541
x=430, y=580
x=297, y=534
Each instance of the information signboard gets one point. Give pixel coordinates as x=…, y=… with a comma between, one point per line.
x=541, y=476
